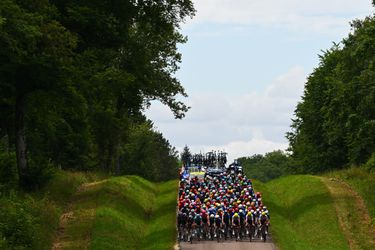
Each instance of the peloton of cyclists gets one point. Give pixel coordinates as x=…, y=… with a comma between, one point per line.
x=225, y=202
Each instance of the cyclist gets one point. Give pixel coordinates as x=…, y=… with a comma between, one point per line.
x=212, y=225
x=242, y=215
x=227, y=222
x=190, y=222
x=205, y=222
x=250, y=224
x=218, y=225
x=198, y=223
x=236, y=224
x=263, y=220
x=181, y=223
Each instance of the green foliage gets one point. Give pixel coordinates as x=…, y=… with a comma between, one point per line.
x=370, y=164
x=40, y=173
x=303, y=215
x=264, y=168
x=186, y=155
x=149, y=155
x=8, y=172
x=75, y=77
x=30, y=221
x=18, y=225
x=334, y=125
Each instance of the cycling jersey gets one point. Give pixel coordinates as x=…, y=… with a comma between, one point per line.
x=198, y=219
x=249, y=219
x=218, y=222
x=226, y=218
x=263, y=219
x=212, y=220
x=236, y=221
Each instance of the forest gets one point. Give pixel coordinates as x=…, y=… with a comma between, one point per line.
x=75, y=78
x=334, y=123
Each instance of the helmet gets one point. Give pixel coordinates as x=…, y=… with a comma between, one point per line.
x=249, y=213
x=264, y=213
x=212, y=216
x=217, y=216
x=236, y=215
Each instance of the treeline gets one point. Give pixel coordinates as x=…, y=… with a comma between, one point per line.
x=334, y=125
x=75, y=77
x=266, y=167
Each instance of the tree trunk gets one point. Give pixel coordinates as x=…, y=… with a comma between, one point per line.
x=21, y=146
x=118, y=161
x=109, y=161
x=9, y=140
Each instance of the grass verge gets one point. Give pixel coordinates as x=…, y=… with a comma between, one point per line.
x=352, y=214
x=363, y=182
x=303, y=215
x=30, y=220
x=121, y=213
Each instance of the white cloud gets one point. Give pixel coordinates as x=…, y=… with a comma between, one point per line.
x=242, y=125
x=313, y=15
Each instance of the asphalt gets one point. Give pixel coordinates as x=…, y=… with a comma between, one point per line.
x=228, y=245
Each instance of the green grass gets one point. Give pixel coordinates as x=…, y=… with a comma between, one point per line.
x=302, y=213
x=30, y=220
x=123, y=213
x=363, y=182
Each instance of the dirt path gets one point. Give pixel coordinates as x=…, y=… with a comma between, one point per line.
x=229, y=245
x=75, y=223
x=352, y=213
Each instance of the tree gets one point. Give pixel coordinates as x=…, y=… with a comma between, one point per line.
x=127, y=57
x=270, y=166
x=75, y=76
x=334, y=125
x=186, y=156
x=34, y=51
x=148, y=154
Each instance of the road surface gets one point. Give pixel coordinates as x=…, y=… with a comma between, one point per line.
x=228, y=245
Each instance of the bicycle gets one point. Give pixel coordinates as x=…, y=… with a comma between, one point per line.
x=219, y=233
x=263, y=232
x=236, y=230
x=251, y=231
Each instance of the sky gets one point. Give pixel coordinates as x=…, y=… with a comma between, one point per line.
x=244, y=68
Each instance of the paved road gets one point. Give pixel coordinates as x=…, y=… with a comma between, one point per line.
x=228, y=245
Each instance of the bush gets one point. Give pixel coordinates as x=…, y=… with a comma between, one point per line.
x=370, y=164
x=41, y=172
x=8, y=171
x=17, y=225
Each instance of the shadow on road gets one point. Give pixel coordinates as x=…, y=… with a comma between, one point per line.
x=228, y=245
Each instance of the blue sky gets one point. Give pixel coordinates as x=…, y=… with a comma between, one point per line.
x=244, y=68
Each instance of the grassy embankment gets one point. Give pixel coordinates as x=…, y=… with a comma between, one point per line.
x=352, y=191
x=303, y=215
x=310, y=212
x=363, y=182
x=30, y=220
x=121, y=213
x=88, y=211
